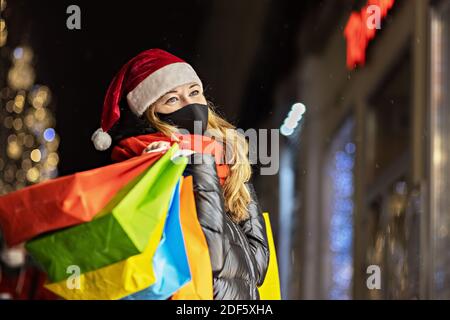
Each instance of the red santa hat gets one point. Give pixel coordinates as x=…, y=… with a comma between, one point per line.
x=144, y=79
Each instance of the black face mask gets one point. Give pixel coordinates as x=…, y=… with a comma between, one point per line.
x=184, y=118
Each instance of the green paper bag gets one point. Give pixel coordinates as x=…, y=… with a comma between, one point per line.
x=121, y=230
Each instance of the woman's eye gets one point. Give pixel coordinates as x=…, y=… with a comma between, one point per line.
x=172, y=100
x=195, y=92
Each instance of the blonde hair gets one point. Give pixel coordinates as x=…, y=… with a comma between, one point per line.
x=235, y=192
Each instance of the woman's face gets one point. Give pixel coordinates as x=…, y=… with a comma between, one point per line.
x=180, y=97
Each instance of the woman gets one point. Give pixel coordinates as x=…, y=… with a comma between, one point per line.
x=164, y=100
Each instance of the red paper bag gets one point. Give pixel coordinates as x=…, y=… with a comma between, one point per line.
x=66, y=201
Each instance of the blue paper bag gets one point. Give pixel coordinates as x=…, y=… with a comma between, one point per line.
x=170, y=262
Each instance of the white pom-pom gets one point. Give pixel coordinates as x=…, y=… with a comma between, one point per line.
x=101, y=139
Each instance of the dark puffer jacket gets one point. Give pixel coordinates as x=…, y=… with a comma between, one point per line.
x=239, y=252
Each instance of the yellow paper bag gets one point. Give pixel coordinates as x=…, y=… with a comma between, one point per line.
x=270, y=289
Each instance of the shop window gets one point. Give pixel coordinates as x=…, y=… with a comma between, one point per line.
x=391, y=214
x=388, y=123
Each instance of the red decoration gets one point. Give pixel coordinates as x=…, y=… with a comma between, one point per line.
x=358, y=33
x=26, y=283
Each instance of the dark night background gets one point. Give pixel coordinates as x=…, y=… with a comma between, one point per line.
x=239, y=49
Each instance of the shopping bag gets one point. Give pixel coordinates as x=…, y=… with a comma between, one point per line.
x=170, y=262
x=270, y=289
x=114, y=281
x=119, y=231
x=65, y=201
x=201, y=285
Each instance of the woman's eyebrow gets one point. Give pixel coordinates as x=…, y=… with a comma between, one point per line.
x=174, y=91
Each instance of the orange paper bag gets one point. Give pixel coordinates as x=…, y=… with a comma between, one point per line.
x=201, y=285
x=65, y=201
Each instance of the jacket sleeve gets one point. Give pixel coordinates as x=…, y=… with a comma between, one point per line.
x=255, y=230
x=210, y=205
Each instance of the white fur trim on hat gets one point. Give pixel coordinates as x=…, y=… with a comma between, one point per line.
x=160, y=82
x=101, y=139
